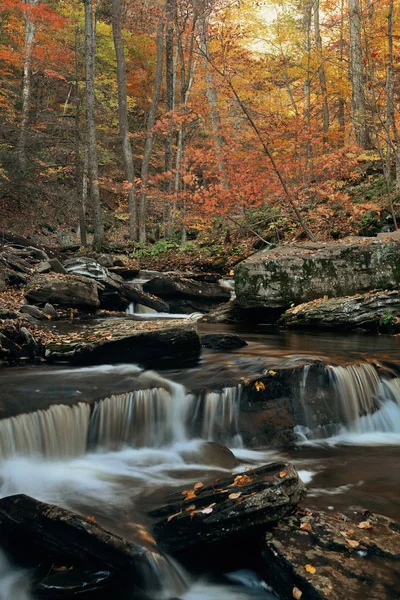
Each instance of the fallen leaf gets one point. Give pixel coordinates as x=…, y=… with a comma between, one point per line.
x=353, y=543
x=364, y=525
x=310, y=569
x=283, y=474
x=234, y=496
x=189, y=494
x=173, y=516
x=271, y=372
x=191, y=507
x=198, y=486
x=297, y=594
x=259, y=386
x=306, y=527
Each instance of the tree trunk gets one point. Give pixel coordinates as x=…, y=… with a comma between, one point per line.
x=148, y=145
x=81, y=200
x=90, y=52
x=307, y=81
x=321, y=72
x=341, y=100
x=390, y=110
x=212, y=99
x=123, y=118
x=359, y=113
x=169, y=106
x=30, y=29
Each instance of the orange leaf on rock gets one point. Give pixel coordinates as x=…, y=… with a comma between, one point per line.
x=306, y=527
x=310, y=569
x=296, y=593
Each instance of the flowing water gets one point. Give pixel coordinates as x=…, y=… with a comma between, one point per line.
x=113, y=441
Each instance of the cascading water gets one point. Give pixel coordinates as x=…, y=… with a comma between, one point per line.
x=14, y=582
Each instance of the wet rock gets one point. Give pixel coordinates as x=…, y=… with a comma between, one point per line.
x=229, y=312
x=58, y=536
x=126, y=340
x=363, y=310
x=110, y=287
x=66, y=583
x=296, y=274
x=212, y=454
x=33, y=311
x=134, y=293
x=2, y=280
x=184, y=287
x=50, y=311
x=234, y=505
x=222, y=341
x=17, y=344
x=186, y=306
x=327, y=558
x=65, y=290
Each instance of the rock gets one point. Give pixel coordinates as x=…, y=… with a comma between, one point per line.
x=183, y=287
x=65, y=290
x=365, y=310
x=68, y=583
x=134, y=293
x=109, y=285
x=105, y=260
x=53, y=535
x=127, y=340
x=327, y=558
x=18, y=344
x=50, y=311
x=222, y=341
x=2, y=280
x=296, y=274
x=15, y=278
x=212, y=454
x=33, y=311
x=229, y=312
x=389, y=235
x=67, y=239
x=233, y=505
x=52, y=264
x=187, y=306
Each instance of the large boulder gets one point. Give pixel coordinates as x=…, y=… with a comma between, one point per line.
x=110, y=288
x=316, y=556
x=295, y=274
x=372, y=310
x=71, y=554
x=127, y=340
x=231, y=506
x=64, y=290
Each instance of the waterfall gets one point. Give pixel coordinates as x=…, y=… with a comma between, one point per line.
x=59, y=432
x=152, y=418
x=144, y=418
x=221, y=415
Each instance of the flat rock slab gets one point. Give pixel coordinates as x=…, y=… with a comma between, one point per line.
x=295, y=274
x=64, y=290
x=232, y=505
x=127, y=340
x=183, y=286
x=316, y=556
x=362, y=310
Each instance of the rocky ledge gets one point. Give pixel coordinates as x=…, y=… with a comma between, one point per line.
x=129, y=341
x=295, y=274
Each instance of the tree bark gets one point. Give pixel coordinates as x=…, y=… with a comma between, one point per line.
x=321, y=72
x=30, y=29
x=359, y=112
x=148, y=145
x=80, y=196
x=123, y=118
x=169, y=107
x=90, y=52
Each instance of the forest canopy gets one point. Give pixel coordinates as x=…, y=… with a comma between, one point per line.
x=141, y=120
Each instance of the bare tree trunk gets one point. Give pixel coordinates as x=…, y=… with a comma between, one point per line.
x=321, y=72
x=212, y=99
x=170, y=79
x=148, y=145
x=30, y=29
x=78, y=176
x=307, y=81
x=341, y=100
x=123, y=118
x=359, y=113
x=390, y=108
x=90, y=53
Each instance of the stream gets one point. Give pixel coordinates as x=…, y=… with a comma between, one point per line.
x=121, y=459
